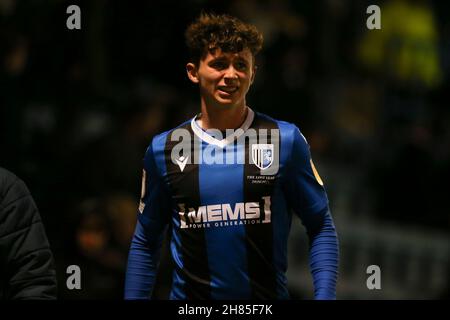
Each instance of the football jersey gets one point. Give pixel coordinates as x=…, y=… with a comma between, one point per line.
x=227, y=198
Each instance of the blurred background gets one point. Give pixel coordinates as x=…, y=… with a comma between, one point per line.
x=79, y=107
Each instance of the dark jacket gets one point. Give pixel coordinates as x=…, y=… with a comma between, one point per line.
x=26, y=262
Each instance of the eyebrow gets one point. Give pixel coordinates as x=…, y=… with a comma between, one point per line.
x=223, y=58
x=241, y=59
x=220, y=58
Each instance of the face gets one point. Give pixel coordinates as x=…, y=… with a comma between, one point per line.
x=224, y=77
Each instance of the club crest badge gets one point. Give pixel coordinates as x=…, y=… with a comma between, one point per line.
x=262, y=155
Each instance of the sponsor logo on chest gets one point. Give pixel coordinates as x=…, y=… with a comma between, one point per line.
x=224, y=215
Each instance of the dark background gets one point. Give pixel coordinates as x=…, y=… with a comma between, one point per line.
x=79, y=107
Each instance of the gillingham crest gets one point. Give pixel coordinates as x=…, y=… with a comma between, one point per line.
x=262, y=155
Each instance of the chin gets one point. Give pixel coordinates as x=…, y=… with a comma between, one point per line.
x=226, y=103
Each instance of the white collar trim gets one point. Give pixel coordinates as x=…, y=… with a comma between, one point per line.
x=203, y=135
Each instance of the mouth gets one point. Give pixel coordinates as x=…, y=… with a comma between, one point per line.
x=228, y=89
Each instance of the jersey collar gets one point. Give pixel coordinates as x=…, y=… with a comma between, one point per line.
x=203, y=135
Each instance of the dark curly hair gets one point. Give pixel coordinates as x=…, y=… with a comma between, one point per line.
x=210, y=32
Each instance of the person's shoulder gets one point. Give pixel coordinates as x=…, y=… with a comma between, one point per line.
x=292, y=140
x=163, y=136
x=158, y=141
x=12, y=188
x=6, y=177
x=7, y=181
x=157, y=144
x=286, y=128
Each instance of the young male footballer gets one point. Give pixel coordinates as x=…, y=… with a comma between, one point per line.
x=226, y=184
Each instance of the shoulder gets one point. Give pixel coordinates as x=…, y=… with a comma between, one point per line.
x=289, y=132
x=156, y=150
x=6, y=179
x=11, y=187
x=294, y=149
x=158, y=142
x=17, y=207
x=285, y=127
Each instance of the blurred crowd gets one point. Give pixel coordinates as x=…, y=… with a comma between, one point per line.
x=79, y=107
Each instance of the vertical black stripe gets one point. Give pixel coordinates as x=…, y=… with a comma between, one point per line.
x=185, y=190
x=259, y=237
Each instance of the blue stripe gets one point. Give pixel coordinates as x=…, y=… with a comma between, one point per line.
x=225, y=244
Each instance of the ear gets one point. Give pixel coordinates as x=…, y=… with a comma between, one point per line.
x=253, y=74
x=192, y=72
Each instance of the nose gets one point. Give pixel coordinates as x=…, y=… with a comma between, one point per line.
x=230, y=73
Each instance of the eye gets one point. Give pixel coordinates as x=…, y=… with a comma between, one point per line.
x=219, y=65
x=241, y=65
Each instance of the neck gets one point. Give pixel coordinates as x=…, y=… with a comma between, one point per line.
x=222, y=118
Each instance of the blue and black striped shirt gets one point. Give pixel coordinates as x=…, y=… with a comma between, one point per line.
x=228, y=204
